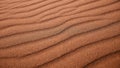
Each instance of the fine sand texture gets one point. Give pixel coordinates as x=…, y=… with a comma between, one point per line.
x=59, y=33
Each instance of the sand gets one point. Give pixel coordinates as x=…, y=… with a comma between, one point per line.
x=59, y=34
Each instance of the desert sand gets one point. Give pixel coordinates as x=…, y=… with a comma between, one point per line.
x=59, y=33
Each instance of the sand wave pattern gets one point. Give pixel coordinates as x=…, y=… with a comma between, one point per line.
x=59, y=33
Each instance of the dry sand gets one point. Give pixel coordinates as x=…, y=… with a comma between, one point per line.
x=59, y=33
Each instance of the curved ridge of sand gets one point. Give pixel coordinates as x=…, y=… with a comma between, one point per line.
x=59, y=34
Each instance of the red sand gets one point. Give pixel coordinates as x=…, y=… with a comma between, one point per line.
x=59, y=34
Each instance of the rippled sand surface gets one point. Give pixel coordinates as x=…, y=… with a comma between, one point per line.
x=59, y=33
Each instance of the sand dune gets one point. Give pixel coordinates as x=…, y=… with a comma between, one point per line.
x=59, y=34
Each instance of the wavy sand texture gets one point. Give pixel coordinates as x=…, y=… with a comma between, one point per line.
x=59, y=33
